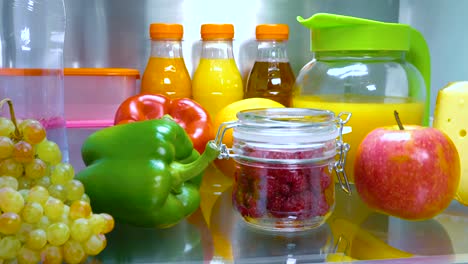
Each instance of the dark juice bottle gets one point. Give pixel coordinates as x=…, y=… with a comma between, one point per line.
x=272, y=80
x=271, y=76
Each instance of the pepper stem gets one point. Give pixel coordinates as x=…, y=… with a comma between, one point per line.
x=397, y=118
x=17, y=133
x=184, y=172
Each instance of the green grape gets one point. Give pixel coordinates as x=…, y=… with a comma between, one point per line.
x=32, y=212
x=24, y=193
x=11, y=200
x=44, y=181
x=62, y=174
x=35, y=169
x=24, y=183
x=10, y=167
x=97, y=223
x=8, y=181
x=52, y=255
x=66, y=210
x=64, y=219
x=23, y=152
x=10, y=223
x=58, y=233
x=80, y=209
x=65, y=216
x=54, y=208
x=6, y=127
x=6, y=147
x=23, y=232
x=80, y=230
x=109, y=223
x=73, y=252
x=49, y=152
x=33, y=131
x=9, y=247
x=23, y=123
x=58, y=191
x=75, y=190
x=38, y=194
x=95, y=244
x=37, y=239
x=85, y=198
x=43, y=223
x=28, y=256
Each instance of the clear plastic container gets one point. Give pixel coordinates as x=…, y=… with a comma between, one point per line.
x=31, y=63
x=94, y=94
x=285, y=158
x=77, y=132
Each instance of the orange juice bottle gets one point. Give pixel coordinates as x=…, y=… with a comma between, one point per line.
x=166, y=72
x=217, y=81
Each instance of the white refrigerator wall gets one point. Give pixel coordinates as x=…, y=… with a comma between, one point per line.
x=444, y=24
x=114, y=33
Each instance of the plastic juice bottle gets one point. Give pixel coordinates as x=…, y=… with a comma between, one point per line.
x=271, y=76
x=217, y=81
x=166, y=72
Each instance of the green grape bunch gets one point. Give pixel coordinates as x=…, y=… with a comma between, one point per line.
x=45, y=214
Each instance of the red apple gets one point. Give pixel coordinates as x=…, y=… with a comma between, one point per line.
x=411, y=173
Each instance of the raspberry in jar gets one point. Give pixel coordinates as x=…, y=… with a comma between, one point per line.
x=285, y=162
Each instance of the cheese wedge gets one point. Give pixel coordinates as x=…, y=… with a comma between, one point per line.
x=451, y=117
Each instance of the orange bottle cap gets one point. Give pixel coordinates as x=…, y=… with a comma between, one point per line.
x=217, y=31
x=166, y=31
x=272, y=32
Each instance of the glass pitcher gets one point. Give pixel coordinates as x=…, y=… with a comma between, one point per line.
x=368, y=68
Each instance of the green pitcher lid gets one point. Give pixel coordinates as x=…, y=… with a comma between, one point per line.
x=336, y=32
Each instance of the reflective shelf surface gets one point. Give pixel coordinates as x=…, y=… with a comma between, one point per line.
x=352, y=233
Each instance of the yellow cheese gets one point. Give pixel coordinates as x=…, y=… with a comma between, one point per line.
x=451, y=117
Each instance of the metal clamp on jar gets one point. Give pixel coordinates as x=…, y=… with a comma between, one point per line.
x=284, y=163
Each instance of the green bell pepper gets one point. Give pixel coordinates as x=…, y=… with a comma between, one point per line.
x=144, y=173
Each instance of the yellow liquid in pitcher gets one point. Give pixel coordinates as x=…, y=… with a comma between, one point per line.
x=368, y=113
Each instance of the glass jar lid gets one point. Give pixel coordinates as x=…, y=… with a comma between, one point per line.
x=286, y=125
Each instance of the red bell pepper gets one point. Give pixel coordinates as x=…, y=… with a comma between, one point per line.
x=187, y=113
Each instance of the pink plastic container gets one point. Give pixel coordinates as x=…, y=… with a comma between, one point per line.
x=77, y=132
x=94, y=94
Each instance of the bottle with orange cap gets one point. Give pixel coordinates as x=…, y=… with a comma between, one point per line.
x=217, y=81
x=166, y=72
x=271, y=75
